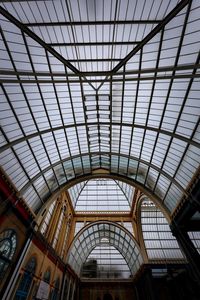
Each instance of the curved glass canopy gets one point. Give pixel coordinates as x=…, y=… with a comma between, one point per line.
x=110, y=86
x=101, y=195
x=105, y=261
x=104, y=233
x=159, y=242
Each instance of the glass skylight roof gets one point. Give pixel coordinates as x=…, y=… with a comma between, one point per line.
x=113, y=85
x=159, y=242
x=101, y=195
x=104, y=233
x=105, y=262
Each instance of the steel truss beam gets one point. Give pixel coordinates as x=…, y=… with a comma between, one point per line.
x=156, y=30
x=36, y=38
x=129, y=72
x=94, y=44
x=158, y=130
x=89, y=23
x=28, y=81
x=160, y=26
x=149, y=36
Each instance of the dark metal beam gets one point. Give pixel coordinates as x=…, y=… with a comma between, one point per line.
x=135, y=107
x=155, y=31
x=28, y=81
x=154, y=129
x=94, y=44
x=89, y=23
x=36, y=38
x=128, y=72
x=184, y=212
x=96, y=175
x=160, y=171
x=95, y=59
x=150, y=102
x=186, y=17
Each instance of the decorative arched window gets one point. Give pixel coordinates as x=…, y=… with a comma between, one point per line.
x=31, y=265
x=159, y=241
x=55, y=291
x=26, y=280
x=48, y=218
x=57, y=284
x=47, y=275
x=8, y=243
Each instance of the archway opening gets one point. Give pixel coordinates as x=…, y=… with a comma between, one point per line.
x=107, y=296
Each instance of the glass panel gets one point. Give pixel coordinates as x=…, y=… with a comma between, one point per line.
x=159, y=242
x=139, y=118
x=101, y=195
x=105, y=262
x=100, y=235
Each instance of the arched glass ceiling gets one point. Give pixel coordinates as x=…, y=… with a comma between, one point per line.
x=97, y=234
x=93, y=35
x=159, y=242
x=127, y=225
x=101, y=195
x=136, y=113
x=105, y=261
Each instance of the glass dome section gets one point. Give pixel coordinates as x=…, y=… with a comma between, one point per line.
x=159, y=242
x=105, y=261
x=106, y=234
x=115, y=87
x=102, y=195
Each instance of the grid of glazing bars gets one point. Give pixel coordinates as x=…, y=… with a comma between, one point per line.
x=94, y=236
x=142, y=58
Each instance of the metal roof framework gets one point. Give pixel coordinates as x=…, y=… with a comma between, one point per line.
x=104, y=233
x=110, y=85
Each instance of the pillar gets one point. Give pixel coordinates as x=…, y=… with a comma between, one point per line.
x=189, y=250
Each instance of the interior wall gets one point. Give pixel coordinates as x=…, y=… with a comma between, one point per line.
x=44, y=262
x=107, y=291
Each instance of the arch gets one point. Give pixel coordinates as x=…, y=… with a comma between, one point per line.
x=95, y=234
x=104, y=174
x=105, y=262
x=101, y=194
x=143, y=174
x=132, y=171
x=54, y=129
x=8, y=245
x=151, y=120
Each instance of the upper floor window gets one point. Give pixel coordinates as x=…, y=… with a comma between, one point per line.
x=47, y=275
x=31, y=265
x=48, y=218
x=8, y=243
